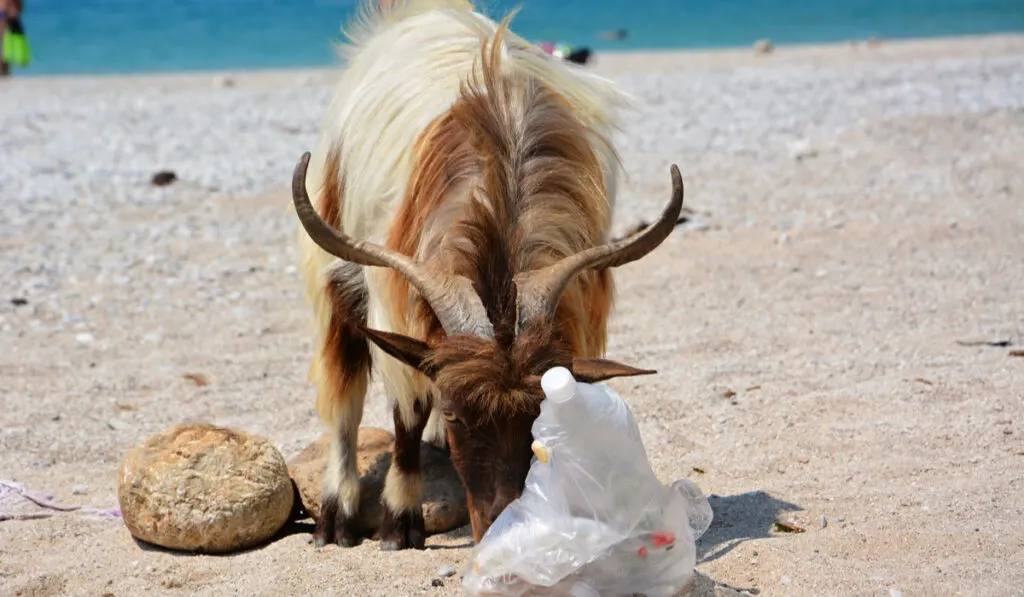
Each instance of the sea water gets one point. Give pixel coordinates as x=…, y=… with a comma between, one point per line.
x=139, y=36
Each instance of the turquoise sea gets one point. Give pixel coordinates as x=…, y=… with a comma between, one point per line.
x=135, y=36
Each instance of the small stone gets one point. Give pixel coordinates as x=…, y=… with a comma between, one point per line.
x=445, y=571
x=763, y=46
x=444, y=498
x=895, y=593
x=222, y=82
x=84, y=338
x=80, y=489
x=117, y=424
x=437, y=582
x=822, y=522
x=197, y=487
x=701, y=226
x=785, y=579
x=19, y=302
x=163, y=178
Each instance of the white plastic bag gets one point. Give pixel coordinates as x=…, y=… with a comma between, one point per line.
x=593, y=519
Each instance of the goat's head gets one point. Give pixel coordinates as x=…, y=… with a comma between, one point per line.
x=489, y=391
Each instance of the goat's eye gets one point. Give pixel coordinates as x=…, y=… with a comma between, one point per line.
x=450, y=416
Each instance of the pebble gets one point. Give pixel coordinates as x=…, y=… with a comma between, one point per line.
x=80, y=489
x=118, y=425
x=763, y=46
x=822, y=522
x=445, y=571
x=84, y=338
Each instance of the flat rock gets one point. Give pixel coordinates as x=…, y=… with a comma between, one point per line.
x=197, y=487
x=444, y=498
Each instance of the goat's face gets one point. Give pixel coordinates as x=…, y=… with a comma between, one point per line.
x=492, y=455
x=489, y=397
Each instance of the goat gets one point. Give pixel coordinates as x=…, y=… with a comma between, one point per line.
x=463, y=184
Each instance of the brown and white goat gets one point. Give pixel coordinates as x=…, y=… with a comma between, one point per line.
x=463, y=188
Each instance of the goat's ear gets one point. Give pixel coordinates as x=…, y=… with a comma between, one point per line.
x=410, y=351
x=595, y=370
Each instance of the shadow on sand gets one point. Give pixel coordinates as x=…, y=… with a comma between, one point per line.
x=739, y=518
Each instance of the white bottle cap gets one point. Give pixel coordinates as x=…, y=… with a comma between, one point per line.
x=558, y=384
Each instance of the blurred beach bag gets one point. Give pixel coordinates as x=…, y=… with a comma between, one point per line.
x=16, y=49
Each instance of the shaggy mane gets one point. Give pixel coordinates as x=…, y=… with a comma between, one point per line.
x=506, y=181
x=541, y=190
x=495, y=382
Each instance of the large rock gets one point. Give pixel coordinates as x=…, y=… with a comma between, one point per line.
x=444, y=499
x=197, y=487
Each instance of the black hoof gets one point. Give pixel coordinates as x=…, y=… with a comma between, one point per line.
x=404, y=530
x=334, y=527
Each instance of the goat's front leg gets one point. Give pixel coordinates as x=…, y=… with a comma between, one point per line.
x=339, y=511
x=401, y=525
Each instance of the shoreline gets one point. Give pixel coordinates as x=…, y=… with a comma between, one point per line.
x=615, y=61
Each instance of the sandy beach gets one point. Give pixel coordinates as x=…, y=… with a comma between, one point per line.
x=833, y=328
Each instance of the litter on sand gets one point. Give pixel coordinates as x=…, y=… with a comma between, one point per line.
x=593, y=519
x=18, y=502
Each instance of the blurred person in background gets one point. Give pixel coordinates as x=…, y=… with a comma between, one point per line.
x=14, y=46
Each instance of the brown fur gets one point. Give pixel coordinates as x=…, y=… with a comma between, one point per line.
x=495, y=383
x=345, y=355
x=445, y=161
x=536, y=193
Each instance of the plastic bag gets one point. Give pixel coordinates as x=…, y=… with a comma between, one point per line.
x=593, y=519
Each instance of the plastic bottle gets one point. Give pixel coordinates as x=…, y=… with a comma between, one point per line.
x=593, y=518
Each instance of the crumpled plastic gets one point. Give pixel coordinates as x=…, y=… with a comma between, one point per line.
x=593, y=519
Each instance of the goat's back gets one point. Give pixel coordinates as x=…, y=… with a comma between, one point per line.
x=405, y=65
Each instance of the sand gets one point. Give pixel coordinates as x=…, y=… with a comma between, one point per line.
x=859, y=219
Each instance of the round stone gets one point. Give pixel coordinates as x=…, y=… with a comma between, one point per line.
x=197, y=487
x=444, y=498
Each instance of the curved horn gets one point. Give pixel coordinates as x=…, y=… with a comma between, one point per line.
x=452, y=298
x=540, y=290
